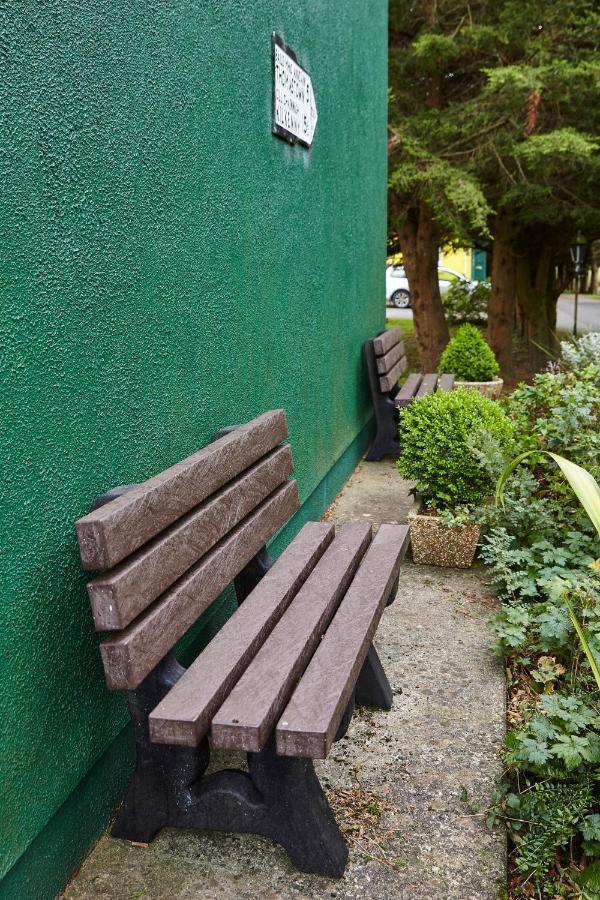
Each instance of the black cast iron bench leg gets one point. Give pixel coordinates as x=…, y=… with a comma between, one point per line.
x=280, y=798
x=386, y=441
x=163, y=771
x=386, y=417
x=372, y=686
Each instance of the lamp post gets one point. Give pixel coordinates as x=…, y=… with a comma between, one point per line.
x=578, y=252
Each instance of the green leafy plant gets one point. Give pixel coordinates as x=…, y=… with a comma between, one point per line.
x=561, y=736
x=587, y=491
x=435, y=434
x=559, y=412
x=466, y=304
x=539, y=536
x=528, y=571
x=542, y=817
x=541, y=550
x=589, y=879
x=582, y=482
x=469, y=357
x=581, y=352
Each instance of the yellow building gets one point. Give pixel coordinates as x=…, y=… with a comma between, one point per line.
x=461, y=260
x=468, y=261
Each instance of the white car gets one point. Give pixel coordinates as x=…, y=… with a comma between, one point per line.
x=397, y=291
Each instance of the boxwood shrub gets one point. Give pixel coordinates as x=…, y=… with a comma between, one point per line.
x=434, y=434
x=469, y=357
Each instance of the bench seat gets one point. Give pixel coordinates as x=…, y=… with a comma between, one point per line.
x=280, y=678
x=417, y=386
x=240, y=684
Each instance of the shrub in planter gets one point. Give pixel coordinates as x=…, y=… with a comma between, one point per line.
x=472, y=360
x=435, y=436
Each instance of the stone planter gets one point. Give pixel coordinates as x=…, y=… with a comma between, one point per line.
x=434, y=545
x=491, y=389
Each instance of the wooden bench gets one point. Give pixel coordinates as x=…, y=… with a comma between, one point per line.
x=279, y=680
x=386, y=362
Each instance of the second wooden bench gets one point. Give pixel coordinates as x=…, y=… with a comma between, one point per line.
x=386, y=361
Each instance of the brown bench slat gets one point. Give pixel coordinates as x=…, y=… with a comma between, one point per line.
x=311, y=719
x=446, y=383
x=408, y=389
x=428, y=385
x=108, y=534
x=117, y=598
x=183, y=717
x=387, y=382
x=245, y=720
x=129, y=656
x=384, y=342
x=385, y=363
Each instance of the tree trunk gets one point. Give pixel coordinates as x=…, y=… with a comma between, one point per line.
x=533, y=292
x=501, y=305
x=419, y=240
x=520, y=319
x=559, y=276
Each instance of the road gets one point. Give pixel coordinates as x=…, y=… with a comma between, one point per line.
x=588, y=314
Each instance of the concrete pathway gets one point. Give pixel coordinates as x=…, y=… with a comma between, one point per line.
x=405, y=785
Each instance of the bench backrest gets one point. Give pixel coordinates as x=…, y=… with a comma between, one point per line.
x=170, y=546
x=389, y=358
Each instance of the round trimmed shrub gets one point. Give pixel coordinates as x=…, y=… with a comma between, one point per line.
x=434, y=437
x=469, y=357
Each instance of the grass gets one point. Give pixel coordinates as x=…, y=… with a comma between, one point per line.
x=410, y=343
x=407, y=325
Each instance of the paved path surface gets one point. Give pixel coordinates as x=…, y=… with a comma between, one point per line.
x=416, y=839
x=588, y=314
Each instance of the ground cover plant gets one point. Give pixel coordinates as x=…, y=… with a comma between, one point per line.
x=541, y=549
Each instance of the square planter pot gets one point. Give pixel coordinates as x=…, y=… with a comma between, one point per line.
x=434, y=545
x=491, y=389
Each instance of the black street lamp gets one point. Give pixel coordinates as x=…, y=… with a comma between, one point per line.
x=578, y=252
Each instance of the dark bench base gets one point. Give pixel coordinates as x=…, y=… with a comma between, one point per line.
x=279, y=797
x=386, y=441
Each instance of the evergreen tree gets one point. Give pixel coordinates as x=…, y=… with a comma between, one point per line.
x=505, y=99
x=432, y=200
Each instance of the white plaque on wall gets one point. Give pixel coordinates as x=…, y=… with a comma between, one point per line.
x=294, y=108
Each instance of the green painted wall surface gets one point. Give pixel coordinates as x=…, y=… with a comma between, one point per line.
x=167, y=266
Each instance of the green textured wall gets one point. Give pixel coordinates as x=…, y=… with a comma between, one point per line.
x=167, y=266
